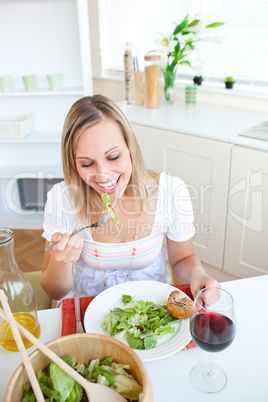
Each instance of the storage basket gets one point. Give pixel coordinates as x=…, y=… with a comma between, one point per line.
x=13, y=127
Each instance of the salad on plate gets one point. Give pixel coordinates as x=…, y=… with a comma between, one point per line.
x=141, y=323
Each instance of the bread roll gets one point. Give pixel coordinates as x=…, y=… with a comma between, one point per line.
x=179, y=305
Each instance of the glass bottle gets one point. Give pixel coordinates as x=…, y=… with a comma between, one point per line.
x=128, y=73
x=19, y=293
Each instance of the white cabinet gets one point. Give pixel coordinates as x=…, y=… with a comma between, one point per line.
x=144, y=137
x=204, y=165
x=246, y=249
x=39, y=37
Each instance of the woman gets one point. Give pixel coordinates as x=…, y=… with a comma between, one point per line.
x=101, y=155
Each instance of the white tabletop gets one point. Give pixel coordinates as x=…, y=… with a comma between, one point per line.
x=245, y=361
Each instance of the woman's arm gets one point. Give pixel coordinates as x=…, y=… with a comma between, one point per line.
x=187, y=267
x=57, y=275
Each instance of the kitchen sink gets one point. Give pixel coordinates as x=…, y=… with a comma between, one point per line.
x=259, y=132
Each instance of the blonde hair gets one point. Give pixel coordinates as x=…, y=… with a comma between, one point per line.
x=83, y=114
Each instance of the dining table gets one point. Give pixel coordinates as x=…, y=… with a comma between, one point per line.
x=245, y=361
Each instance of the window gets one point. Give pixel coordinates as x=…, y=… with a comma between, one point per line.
x=242, y=54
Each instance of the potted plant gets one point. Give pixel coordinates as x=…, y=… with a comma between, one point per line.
x=229, y=82
x=177, y=47
x=198, y=79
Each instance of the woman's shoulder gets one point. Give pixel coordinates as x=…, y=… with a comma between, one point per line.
x=163, y=183
x=59, y=193
x=59, y=186
x=169, y=181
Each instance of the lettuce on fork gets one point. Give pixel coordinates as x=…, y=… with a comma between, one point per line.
x=58, y=386
x=107, y=201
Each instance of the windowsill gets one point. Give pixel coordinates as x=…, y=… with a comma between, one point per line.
x=257, y=92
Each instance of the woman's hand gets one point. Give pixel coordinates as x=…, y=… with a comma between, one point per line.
x=201, y=280
x=186, y=267
x=67, y=249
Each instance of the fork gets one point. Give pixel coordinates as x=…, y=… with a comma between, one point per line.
x=94, y=225
x=78, y=324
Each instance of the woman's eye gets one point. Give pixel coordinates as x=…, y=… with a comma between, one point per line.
x=87, y=165
x=114, y=158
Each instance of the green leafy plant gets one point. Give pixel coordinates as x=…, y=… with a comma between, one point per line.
x=198, y=79
x=177, y=48
x=229, y=82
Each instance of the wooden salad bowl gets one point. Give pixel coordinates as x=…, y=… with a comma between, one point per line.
x=82, y=347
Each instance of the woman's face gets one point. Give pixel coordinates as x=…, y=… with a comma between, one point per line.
x=103, y=159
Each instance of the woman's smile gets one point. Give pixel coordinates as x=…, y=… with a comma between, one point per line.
x=110, y=186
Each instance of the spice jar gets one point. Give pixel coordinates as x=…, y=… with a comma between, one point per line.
x=152, y=74
x=19, y=294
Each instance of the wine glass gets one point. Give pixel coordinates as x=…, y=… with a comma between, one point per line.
x=212, y=326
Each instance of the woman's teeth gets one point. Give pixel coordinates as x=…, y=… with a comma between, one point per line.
x=109, y=185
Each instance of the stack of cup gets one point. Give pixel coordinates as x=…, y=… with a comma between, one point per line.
x=190, y=95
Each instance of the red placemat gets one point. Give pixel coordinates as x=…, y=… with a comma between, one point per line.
x=68, y=312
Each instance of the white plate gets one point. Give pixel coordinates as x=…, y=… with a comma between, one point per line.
x=107, y=300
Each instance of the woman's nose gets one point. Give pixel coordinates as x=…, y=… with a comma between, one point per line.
x=101, y=173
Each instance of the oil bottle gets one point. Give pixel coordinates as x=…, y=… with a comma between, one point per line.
x=19, y=293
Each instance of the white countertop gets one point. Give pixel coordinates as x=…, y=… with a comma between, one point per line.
x=245, y=361
x=220, y=123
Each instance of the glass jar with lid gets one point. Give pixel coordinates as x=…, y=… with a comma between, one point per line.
x=152, y=75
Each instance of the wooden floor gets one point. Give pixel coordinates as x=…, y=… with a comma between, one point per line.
x=29, y=249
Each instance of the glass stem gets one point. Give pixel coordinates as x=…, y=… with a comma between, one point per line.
x=209, y=371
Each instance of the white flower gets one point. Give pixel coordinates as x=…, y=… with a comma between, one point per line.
x=165, y=44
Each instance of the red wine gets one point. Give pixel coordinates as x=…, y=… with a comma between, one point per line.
x=212, y=332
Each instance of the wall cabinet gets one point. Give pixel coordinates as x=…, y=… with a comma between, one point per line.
x=246, y=250
x=204, y=165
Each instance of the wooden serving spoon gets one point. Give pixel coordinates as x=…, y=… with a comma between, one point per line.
x=95, y=392
x=19, y=342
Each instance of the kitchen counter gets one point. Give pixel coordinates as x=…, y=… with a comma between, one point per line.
x=219, y=123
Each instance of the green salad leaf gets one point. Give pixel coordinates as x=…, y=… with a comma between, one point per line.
x=58, y=386
x=126, y=299
x=141, y=323
x=107, y=201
